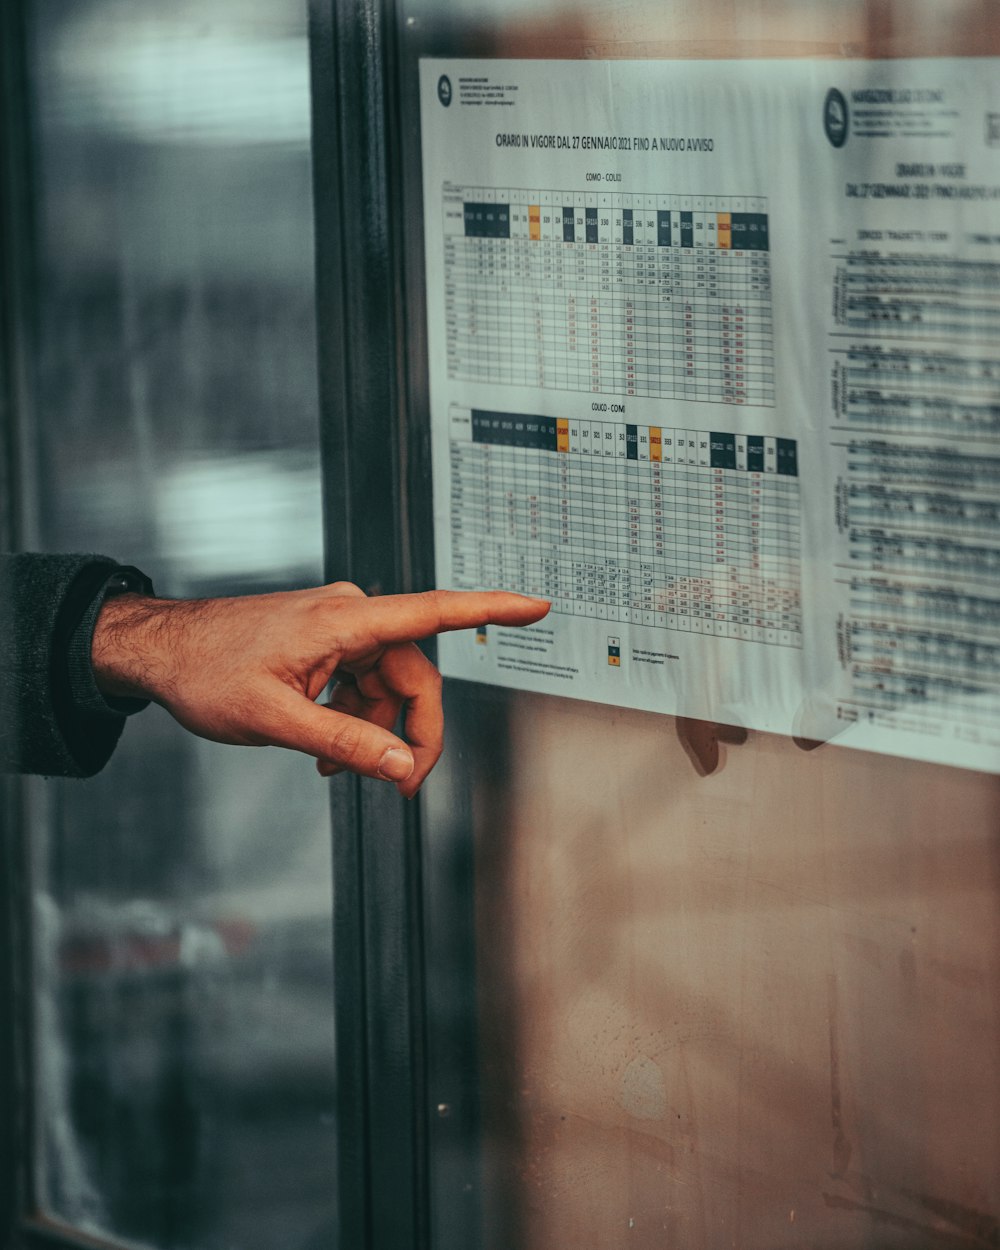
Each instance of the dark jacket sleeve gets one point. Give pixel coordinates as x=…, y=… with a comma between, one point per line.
x=53, y=719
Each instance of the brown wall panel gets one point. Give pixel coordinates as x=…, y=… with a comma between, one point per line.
x=758, y=1008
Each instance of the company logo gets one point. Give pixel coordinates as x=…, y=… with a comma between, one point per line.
x=444, y=90
x=835, y=117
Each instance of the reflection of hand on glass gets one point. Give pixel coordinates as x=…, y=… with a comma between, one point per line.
x=248, y=670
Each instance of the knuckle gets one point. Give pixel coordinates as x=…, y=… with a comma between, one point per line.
x=432, y=753
x=347, y=740
x=436, y=601
x=346, y=588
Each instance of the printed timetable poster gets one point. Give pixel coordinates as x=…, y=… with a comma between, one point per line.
x=714, y=359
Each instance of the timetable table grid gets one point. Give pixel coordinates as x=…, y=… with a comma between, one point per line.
x=685, y=530
x=656, y=296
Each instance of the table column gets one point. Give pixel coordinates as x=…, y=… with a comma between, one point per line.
x=568, y=505
x=576, y=278
x=631, y=599
x=599, y=486
x=755, y=473
x=618, y=572
x=530, y=467
x=467, y=506
x=612, y=372
x=604, y=499
x=593, y=281
x=702, y=545
x=726, y=534
x=625, y=280
x=713, y=310
x=658, y=526
x=741, y=588
x=689, y=280
x=719, y=568
x=488, y=317
x=492, y=564
x=680, y=528
x=549, y=537
x=454, y=291
x=702, y=314
x=504, y=460
x=646, y=297
x=770, y=545
x=513, y=529
x=643, y=575
x=677, y=302
x=585, y=528
x=788, y=527
x=616, y=301
x=760, y=345
x=467, y=307
x=661, y=367
x=569, y=366
x=740, y=286
x=501, y=364
x=725, y=265
x=593, y=536
x=521, y=338
x=559, y=374
x=533, y=267
x=552, y=313
x=738, y=552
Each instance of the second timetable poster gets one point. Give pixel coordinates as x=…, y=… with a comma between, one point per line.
x=714, y=366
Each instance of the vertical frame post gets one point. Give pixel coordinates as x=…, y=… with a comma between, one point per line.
x=15, y=320
x=381, y=1184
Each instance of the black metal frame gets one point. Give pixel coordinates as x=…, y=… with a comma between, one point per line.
x=15, y=250
x=409, y=1167
x=404, y=924
x=381, y=1173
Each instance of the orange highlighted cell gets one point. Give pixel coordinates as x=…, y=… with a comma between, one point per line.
x=724, y=229
x=655, y=443
x=562, y=435
x=535, y=221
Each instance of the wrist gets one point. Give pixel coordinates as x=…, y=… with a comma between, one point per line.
x=127, y=652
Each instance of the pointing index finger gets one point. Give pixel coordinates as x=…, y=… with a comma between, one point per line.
x=406, y=618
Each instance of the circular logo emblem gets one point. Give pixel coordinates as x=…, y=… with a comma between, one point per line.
x=835, y=117
x=444, y=90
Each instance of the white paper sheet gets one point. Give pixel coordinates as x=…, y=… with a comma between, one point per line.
x=714, y=365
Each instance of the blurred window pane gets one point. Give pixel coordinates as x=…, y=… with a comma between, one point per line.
x=184, y=1043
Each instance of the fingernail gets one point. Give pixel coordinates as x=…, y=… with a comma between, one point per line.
x=395, y=765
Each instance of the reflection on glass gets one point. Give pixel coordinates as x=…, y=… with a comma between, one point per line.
x=184, y=1043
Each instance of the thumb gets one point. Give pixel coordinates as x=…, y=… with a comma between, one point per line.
x=337, y=738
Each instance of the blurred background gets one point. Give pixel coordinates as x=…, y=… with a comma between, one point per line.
x=184, y=1026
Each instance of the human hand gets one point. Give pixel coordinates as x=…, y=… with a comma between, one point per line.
x=247, y=671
